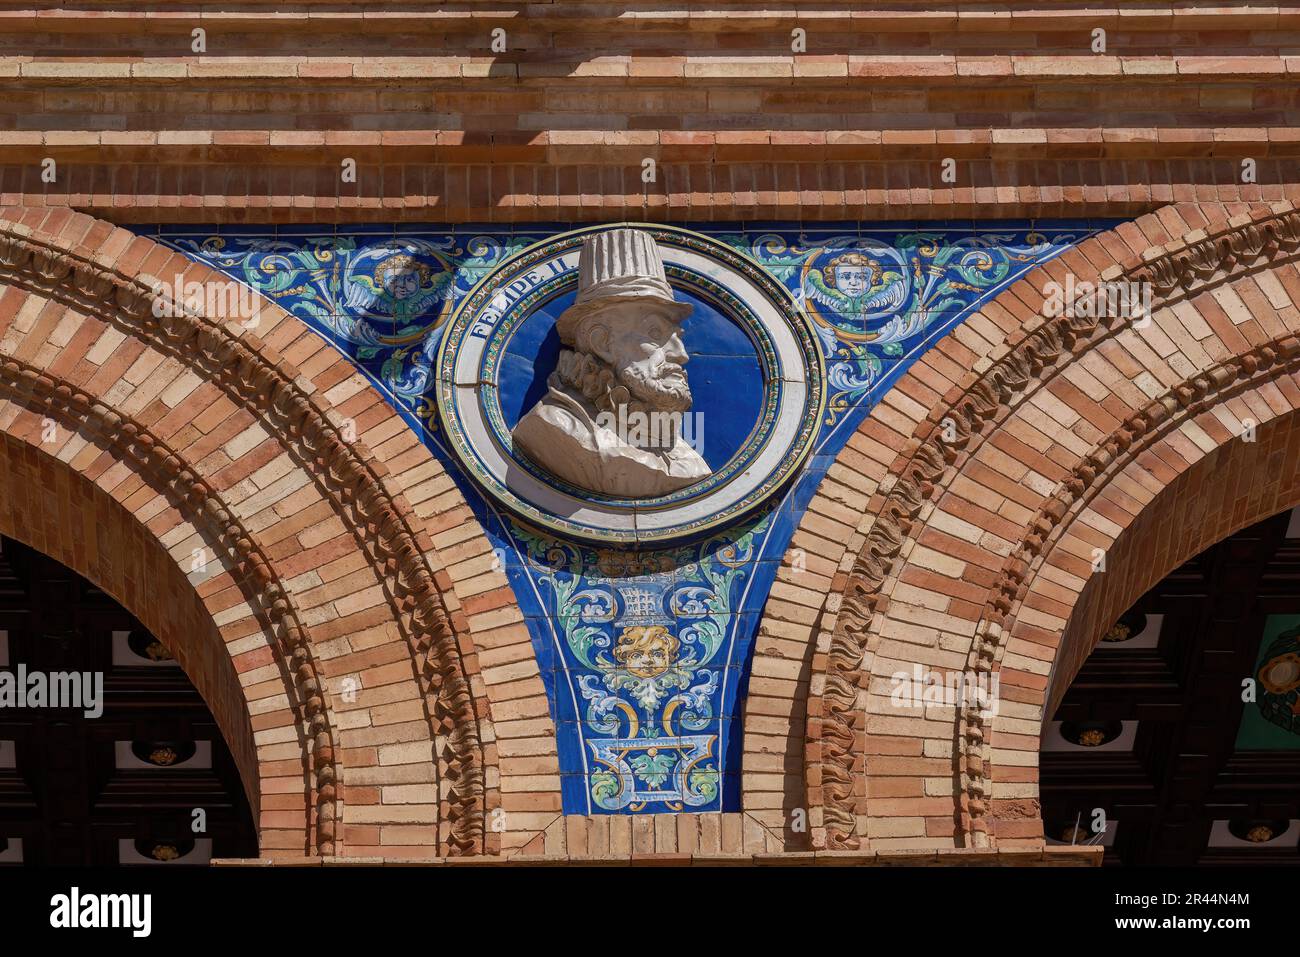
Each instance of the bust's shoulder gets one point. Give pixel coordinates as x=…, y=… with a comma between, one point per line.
x=558, y=417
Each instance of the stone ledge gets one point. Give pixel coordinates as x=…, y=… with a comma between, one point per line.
x=1051, y=856
x=720, y=15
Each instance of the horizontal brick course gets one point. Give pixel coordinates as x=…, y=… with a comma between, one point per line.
x=556, y=126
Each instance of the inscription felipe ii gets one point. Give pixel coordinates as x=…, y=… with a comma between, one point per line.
x=500, y=304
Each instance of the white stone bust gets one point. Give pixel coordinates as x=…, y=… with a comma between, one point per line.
x=610, y=419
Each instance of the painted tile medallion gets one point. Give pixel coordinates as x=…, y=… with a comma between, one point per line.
x=643, y=612
x=742, y=331
x=1271, y=722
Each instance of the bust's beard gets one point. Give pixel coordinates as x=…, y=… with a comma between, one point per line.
x=608, y=388
x=663, y=393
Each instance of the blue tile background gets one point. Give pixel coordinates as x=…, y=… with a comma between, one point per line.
x=931, y=276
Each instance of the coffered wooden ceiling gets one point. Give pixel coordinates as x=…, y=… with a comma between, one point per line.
x=1160, y=714
x=121, y=788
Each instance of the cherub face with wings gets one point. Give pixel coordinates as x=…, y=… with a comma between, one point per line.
x=852, y=274
x=401, y=276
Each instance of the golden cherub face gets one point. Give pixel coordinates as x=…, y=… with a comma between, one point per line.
x=852, y=274
x=646, y=651
x=401, y=276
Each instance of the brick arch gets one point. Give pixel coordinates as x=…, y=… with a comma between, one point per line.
x=1167, y=485
x=78, y=488
x=956, y=466
x=339, y=617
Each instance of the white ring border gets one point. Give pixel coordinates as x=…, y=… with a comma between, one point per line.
x=533, y=494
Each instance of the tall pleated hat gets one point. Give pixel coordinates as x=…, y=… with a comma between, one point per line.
x=619, y=265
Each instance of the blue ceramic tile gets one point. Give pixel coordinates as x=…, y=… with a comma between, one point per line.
x=706, y=332
x=368, y=229
x=878, y=295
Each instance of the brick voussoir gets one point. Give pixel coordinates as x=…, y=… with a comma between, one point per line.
x=1225, y=233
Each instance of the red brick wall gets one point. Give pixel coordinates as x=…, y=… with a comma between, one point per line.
x=448, y=746
x=556, y=125
x=329, y=627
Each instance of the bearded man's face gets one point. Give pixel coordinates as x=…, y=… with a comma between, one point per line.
x=645, y=349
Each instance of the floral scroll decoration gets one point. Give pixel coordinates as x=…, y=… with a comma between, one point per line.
x=644, y=654
x=644, y=637
x=873, y=301
x=383, y=300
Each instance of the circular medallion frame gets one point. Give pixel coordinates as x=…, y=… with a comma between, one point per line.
x=793, y=371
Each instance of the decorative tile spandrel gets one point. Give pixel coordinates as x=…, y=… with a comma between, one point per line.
x=642, y=610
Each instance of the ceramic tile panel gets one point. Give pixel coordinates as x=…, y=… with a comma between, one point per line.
x=644, y=647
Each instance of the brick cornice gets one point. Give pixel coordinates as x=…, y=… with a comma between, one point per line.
x=1052, y=856
x=544, y=192
x=558, y=124
x=719, y=16
x=622, y=148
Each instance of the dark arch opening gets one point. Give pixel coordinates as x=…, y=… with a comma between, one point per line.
x=122, y=764
x=1178, y=742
